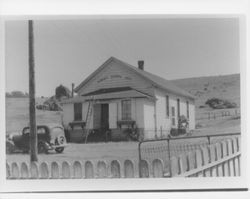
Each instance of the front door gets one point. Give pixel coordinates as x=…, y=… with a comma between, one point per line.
x=105, y=116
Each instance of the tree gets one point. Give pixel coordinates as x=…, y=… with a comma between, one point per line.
x=62, y=91
x=7, y=94
x=17, y=94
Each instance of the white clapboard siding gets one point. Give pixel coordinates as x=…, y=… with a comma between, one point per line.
x=113, y=115
x=115, y=75
x=68, y=113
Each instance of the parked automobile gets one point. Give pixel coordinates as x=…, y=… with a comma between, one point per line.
x=49, y=137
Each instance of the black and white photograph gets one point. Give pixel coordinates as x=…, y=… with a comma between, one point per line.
x=92, y=101
x=123, y=98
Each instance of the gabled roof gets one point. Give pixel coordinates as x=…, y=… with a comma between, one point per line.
x=157, y=81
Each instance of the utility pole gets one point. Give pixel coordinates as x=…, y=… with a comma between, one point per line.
x=32, y=101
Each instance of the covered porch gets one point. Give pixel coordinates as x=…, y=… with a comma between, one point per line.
x=112, y=114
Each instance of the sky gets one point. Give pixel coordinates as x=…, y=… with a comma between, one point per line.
x=67, y=51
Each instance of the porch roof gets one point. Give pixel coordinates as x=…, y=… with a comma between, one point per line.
x=117, y=95
x=109, y=95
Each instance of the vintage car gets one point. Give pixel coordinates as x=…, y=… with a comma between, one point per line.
x=49, y=137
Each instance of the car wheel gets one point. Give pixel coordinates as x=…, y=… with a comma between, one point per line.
x=42, y=148
x=59, y=149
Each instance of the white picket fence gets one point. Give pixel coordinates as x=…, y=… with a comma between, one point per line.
x=218, y=159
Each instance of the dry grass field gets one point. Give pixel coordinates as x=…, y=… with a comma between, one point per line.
x=17, y=114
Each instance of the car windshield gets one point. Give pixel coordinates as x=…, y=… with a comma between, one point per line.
x=40, y=130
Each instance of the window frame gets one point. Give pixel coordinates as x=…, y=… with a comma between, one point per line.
x=167, y=106
x=126, y=114
x=178, y=107
x=77, y=114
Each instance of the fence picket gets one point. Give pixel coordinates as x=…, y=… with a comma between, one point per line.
x=218, y=150
x=44, y=170
x=212, y=159
x=15, y=171
x=183, y=163
x=230, y=162
x=24, y=171
x=238, y=163
x=144, y=169
x=101, y=169
x=157, y=168
x=175, y=167
x=235, y=161
x=8, y=173
x=34, y=170
x=129, y=169
x=224, y=154
x=77, y=170
x=206, y=159
x=55, y=173
x=198, y=161
x=89, y=170
x=191, y=160
x=235, y=145
x=115, y=169
x=66, y=170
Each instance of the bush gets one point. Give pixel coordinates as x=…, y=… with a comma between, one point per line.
x=182, y=122
x=217, y=103
x=177, y=132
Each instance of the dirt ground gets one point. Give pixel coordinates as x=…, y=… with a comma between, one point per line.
x=111, y=150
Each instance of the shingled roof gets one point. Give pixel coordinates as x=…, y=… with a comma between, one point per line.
x=154, y=79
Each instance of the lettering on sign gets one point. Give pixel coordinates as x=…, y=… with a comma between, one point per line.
x=113, y=77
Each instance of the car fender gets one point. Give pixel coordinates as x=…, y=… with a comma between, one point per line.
x=10, y=146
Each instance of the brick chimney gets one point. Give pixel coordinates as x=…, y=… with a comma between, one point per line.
x=141, y=64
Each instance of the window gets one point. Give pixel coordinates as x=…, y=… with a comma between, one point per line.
x=187, y=109
x=173, y=115
x=173, y=111
x=77, y=111
x=178, y=108
x=167, y=105
x=126, y=109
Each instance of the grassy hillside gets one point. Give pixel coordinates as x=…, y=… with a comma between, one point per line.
x=203, y=88
x=17, y=114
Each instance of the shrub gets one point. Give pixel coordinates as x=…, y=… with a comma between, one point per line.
x=182, y=122
x=217, y=103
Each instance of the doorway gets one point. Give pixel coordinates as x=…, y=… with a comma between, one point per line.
x=105, y=116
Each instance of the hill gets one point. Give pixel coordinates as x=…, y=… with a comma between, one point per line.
x=224, y=87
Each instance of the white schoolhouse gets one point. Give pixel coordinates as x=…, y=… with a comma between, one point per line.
x=123, y=96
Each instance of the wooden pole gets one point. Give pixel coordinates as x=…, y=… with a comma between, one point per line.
x=32, y=101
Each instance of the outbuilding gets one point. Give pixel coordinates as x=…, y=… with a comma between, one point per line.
x=118, y=99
